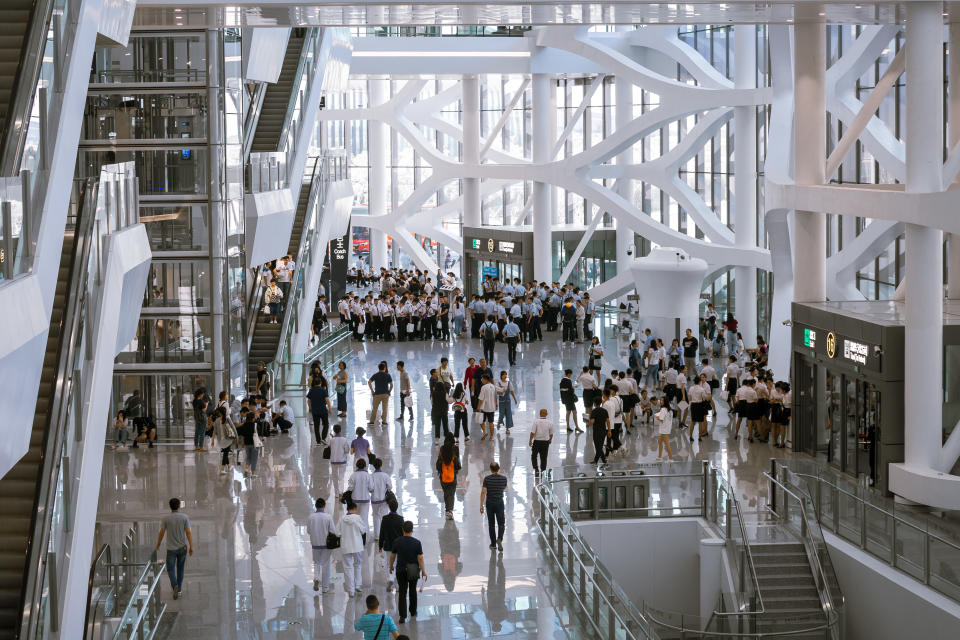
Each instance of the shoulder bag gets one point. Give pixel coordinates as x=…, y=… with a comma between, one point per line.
x=326, y=452
x=412, y=572
x=333, y=541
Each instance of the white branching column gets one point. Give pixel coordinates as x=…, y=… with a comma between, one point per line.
x=745, y=179
x=471, y=149
x=953, y=137
x=542, y=213
x=378, y=149
x=810, y=144
x=923, y=345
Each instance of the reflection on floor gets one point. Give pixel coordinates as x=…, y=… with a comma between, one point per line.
x=251, y=574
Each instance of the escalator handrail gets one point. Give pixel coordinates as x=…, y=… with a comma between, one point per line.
x=252, y=119
x=106, y=557
x=44, y=497
x=14, y=130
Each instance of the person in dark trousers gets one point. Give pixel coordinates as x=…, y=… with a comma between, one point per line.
x=600, y=428
x=391, y=526
x=439, y=407
x=448, y=464
x=489, y=331
x=491, y=500
x=407, y=557
x=318, y=397
x=513, y=334
x=176, y=527
x=541, y=435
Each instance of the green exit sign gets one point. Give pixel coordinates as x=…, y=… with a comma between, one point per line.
x=475, y=243
x=809, y=338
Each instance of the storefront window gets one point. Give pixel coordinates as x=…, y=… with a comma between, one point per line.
x=166, y=398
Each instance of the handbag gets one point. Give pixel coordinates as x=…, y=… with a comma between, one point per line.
x=412, y=572
x=596, y=361
x=361, y=328
x=683, y=405
x=340, y=388
x=257, y=442
x=477, y=418
x=408, y=400
x=326, y=452
x=724, y=395
x=410, y=327
x=333, y=541
x=266, y=308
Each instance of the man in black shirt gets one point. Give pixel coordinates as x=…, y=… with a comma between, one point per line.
x=690, y=345
x=391, y=526
x=600, y=427
x=381, y=386
x=491, y=498
x=407, y=555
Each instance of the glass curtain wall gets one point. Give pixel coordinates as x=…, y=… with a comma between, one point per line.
x=152, y=102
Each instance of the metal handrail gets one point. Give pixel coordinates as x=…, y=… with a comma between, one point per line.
x=16, y=127
x=253, y=117
x=823, y=586
x=746, y=547
x=157, y=566
x=103, y=555
x=45, y=495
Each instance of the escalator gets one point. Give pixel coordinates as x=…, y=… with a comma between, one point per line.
x=18, y=20
x=276, y=99
x=20, y=488
x=266, y=336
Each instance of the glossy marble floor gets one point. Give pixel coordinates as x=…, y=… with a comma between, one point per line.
x=251, y=574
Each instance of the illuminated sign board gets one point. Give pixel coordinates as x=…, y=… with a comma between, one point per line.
x=506, y=247
x=810, y=338
x=475, y=243
x=855, y=351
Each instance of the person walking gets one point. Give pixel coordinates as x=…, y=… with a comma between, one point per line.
x=339, y=450
x=439, y=407
x=690, y=346
x=569, y=399
x=404, y=380
x=381, y=386
x=595, y=357
x=461, y=416
x=513, y=336
x=225, y=436
x=351, y=543
x=318, y=399
x=176, y=528
x=491, y=501
x=488, y=337
x=375, y=625
x=200, y=403
x=541, y=435
x=506, y=398
x=486, y=405
x=663, y=420
x=319, y=527
x=448, y=464
x=248, y=438
x=391, y=525
x=601, y=430
x=380, y=486
x=407, y=557
x=340, y=386
x=360, y=489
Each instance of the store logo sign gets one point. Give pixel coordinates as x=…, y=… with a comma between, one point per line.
x=491, y=244
x=831, y=344
x=855, y=351
x=810, y=338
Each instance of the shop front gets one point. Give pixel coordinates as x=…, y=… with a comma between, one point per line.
x=847, y=386
x=497, y=253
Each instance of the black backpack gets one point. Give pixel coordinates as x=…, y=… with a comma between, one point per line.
x=488, y=333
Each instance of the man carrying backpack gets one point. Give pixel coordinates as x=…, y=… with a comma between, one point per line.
x=488, y=335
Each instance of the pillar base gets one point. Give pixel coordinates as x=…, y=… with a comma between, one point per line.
x=925, y=485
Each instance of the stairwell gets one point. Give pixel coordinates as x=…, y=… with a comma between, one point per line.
x=790, y=598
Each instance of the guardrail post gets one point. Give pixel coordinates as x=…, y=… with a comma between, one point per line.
x=26, y=227
x=8, y=251
x=705, y=481
x=926, y=559
x=729, y=518
x=773, y=485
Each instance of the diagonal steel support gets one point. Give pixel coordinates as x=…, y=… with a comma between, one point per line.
x=503, y=118
x=869, y=108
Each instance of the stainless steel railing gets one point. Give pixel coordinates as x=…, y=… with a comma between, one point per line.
x=916, y=544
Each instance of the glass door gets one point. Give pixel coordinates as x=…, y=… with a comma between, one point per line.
x=833, y=427
x=805, y=419
x=867, y=447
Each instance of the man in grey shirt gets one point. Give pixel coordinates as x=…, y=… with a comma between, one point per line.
x=176, y=526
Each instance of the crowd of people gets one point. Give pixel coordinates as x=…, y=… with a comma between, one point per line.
x=664, y=391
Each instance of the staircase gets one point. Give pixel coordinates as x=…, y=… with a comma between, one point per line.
x=787, y=588
x=18, y=489
x=14, y=25
x=276, y=99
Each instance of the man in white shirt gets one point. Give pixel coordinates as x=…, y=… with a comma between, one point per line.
x=339, y=450
x=283, y=419
x=319, y=526
x=379, y=485
x=487, y=404
x=541, y=435
x=614, y=408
